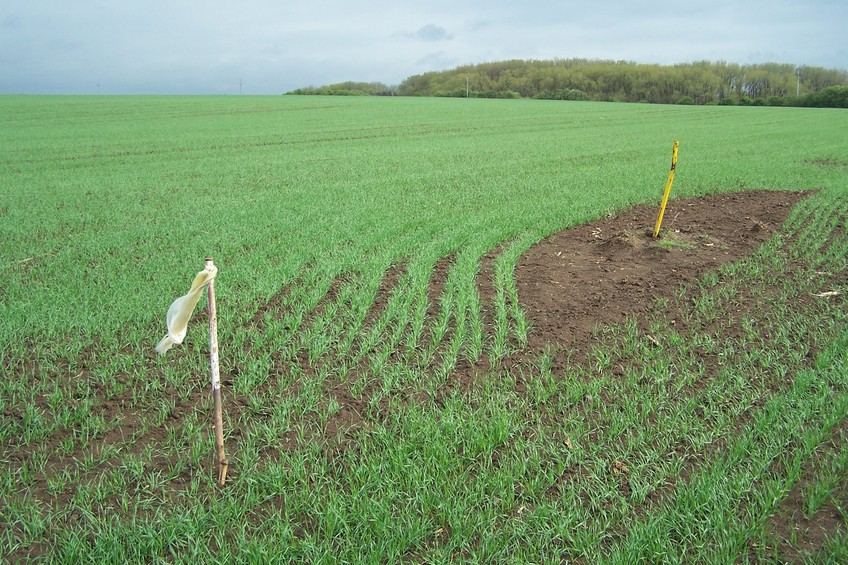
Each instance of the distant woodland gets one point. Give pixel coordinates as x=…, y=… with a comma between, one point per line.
x=702, y=82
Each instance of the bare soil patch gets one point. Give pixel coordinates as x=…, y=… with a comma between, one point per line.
x=610, y=270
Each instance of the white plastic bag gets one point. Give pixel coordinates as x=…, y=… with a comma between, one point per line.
x=182, y=308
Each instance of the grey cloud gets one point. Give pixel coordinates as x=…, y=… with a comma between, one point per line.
x=432, y=32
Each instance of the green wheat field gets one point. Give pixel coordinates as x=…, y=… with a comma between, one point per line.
x=348, y=437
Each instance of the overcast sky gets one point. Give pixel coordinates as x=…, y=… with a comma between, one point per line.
x=273, y=46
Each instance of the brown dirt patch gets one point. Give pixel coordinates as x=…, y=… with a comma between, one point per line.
x=607, y=271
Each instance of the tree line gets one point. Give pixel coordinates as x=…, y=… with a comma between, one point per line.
x=349, y=88
x=701, y=82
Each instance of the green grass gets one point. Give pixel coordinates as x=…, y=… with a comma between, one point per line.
x=349, y=436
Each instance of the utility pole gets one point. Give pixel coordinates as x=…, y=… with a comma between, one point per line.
x=466, y=87
x=240, y=83
x=798, y=84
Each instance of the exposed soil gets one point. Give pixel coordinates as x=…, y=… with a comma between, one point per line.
x=613, y=269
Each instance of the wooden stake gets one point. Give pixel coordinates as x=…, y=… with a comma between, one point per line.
x=218, y=417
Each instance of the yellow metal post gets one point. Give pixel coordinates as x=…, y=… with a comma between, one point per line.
x=667, y=190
